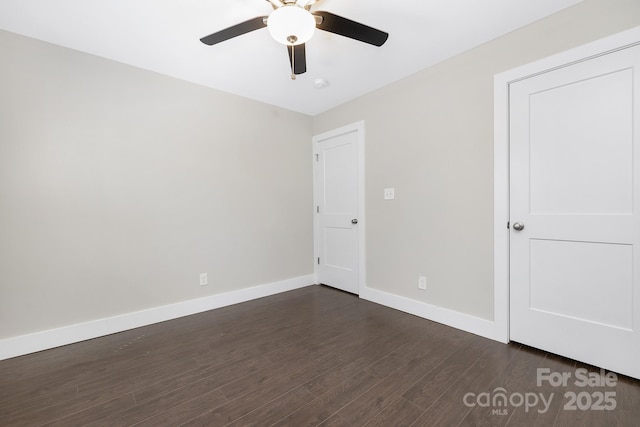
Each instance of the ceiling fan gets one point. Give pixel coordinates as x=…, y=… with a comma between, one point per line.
x=292, y=23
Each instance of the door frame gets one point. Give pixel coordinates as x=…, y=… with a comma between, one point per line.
x=357, y=127
x=501, y=176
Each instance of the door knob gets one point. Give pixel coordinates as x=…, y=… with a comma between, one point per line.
x=518, y=226
x=354, y=221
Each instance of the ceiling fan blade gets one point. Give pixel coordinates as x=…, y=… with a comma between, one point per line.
x=298, y=60
x=352, y=29
x=235, y=30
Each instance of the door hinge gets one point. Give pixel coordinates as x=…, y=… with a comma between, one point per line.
x=317, y=209
x=508, y=225
x=318, y=260
x=317, y=157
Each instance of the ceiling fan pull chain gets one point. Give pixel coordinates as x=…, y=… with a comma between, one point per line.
x=293, y=64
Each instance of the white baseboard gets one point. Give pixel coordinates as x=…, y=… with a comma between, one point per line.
x=475, y=325
x=31, y=343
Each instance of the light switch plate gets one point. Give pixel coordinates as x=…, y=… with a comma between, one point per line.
x=389, y=193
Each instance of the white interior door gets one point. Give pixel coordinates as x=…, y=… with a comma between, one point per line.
x=338, y=220
x=575, y=187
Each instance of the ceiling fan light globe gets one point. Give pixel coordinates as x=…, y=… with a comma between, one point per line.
x=291, y=25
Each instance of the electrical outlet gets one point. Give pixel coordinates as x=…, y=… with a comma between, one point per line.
x=389, y=193
x=422, y=283
x=203, y=279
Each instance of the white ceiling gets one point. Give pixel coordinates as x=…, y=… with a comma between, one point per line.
x=163, y=36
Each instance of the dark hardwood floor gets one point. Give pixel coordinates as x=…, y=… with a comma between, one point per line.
x=314, y=356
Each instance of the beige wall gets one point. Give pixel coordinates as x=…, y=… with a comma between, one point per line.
x=431, y=137
x=119, y=186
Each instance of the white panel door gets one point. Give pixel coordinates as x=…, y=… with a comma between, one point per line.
x=337, y=209
x=575, y=188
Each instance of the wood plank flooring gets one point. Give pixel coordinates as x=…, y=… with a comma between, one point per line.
x=313, y=356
